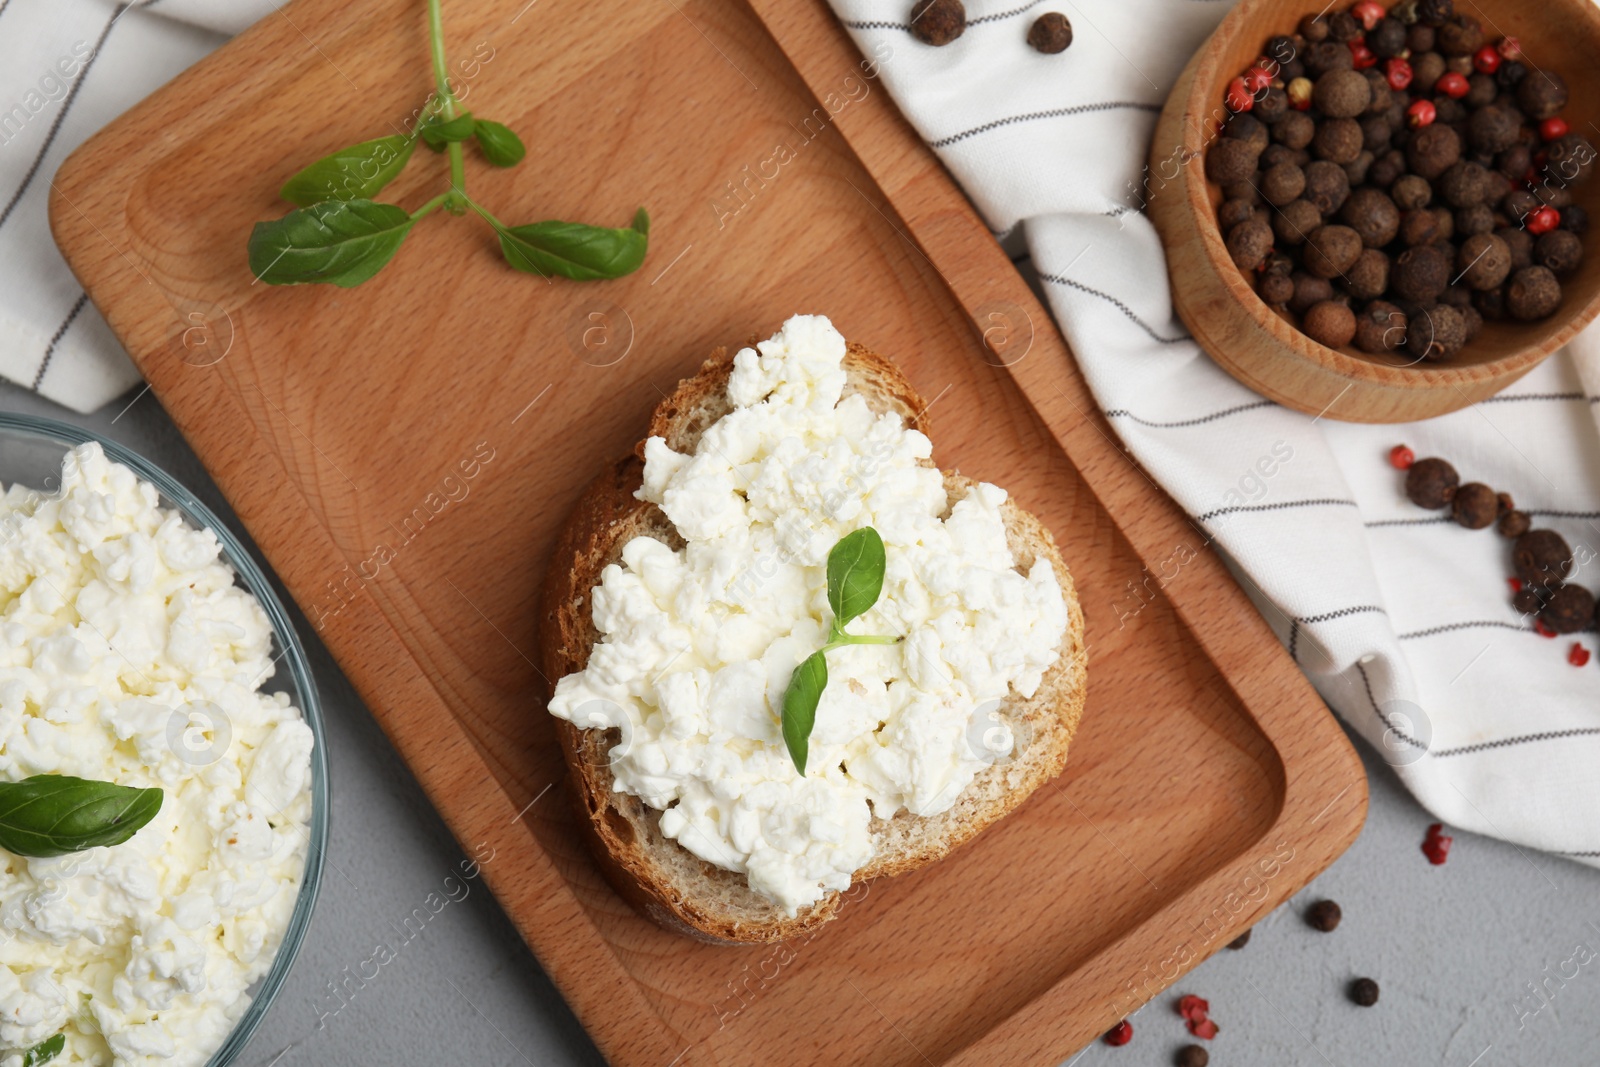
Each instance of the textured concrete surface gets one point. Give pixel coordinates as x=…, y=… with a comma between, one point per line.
x=1491, y=960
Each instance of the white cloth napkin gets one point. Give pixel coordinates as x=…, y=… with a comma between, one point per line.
x=68, y=67
x=1401, y=619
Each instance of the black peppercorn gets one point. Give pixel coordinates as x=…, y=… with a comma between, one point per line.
x=1420, y=274
x=1532, y=293
x=1558, y=250
x=1542, y=94
x=1050, y=33
x=1294, y=222
x=1575, y=219
x=1364, y=991
x=1435, y=12
x=1342, y=27
x=938, y=22
x=1513, y=524
x=1431, y=483
x=1474, y=506
x=1324, y=915
x=1240, y=942
x=1249, y=242
x=1192, y=1056
x=1325, y=56
x=1569, y=609
x=1387, y=39
x=1541, y=557
x=1510, y=74
x=1460, y=36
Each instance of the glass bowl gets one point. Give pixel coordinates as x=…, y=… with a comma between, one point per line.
x=31, y=450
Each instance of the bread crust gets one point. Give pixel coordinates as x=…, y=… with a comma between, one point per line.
x=658, y=876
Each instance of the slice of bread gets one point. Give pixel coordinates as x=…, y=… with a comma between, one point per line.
x=652, y=871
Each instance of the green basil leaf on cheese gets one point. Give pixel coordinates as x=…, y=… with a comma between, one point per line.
x=53, y=814
x=44, y=1051
x=800, y=706
x=855, y=575
x=354, y=173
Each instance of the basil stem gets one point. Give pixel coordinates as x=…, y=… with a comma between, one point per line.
x=53, y=814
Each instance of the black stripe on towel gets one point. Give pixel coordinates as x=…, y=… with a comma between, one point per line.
x=1391, y=727
x=1279, y=506
x=61, y=331
x=1053, y=113
x=1119, y=305
x=1124, y=413
x=1521, y=739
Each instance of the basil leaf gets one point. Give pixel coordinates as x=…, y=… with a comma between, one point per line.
x=44, y=1051
x=344, y=242
x=574, y=250
x=438, y=132
x=354, y=173
x=499, y=145
x=800, y=706
x=53, y=814
x=855, y=574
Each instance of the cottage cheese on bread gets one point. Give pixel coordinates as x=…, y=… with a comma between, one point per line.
x=129, y=654
x=697, y=644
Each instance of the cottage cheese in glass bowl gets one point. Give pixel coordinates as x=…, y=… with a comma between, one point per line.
x=141, y=645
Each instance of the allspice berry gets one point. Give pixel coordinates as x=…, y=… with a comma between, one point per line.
x=1463, y=183
x=1368, y=276
x=1231, y=159
x=1233, y=212
x=1520, y=242
x=1341, y=94
x=1439, y=332
x=1293, y=223
x=1364, y=992
x=1330, y=323
x=1337, y=140
x=1513, y=524
x=1050, y=33
x=1324, y=915
x=938, y=22
x=1380, y=327
x=1474, y=506
x=1274, y=288
x=1569, y=609
x=1559, y=251
x=1420, y=274
x=1327, y=186
x=1431, y=483
x=1193, y=1056
x=1542, y=94
x=1372, y=215
x=1309, y=290
x=1249, y=242
x=1483, y=260
x=1432, y=150
x=1541, y=557
x=1331, y=250
x=1532, y=293
x=1282, y=184
x=1494, y=128
x=1295, y=130
x=1410, y=192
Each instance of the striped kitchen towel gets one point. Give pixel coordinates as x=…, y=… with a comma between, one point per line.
x=1401, y=619
x=68, y=67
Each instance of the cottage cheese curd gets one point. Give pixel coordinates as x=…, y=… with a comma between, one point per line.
x=128, y=654
x=698, y=645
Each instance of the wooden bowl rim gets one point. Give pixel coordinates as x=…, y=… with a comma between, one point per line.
x=1352, y=364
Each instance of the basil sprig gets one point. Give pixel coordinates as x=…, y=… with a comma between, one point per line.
x=856, y=567
x=342, y=236
x=53, y=814
x=44, y=1051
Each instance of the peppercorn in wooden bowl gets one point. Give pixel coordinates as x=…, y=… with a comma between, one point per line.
x=1266, y=346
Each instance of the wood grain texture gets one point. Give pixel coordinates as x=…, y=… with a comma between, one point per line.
x=403, y=453
x=1271, y=355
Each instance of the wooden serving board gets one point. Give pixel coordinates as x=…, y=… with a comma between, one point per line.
x=404, y=453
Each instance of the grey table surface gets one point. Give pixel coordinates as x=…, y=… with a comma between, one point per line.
x=1490, y=960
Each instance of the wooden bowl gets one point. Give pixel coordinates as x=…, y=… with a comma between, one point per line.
x=1267, y=353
